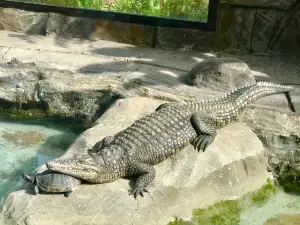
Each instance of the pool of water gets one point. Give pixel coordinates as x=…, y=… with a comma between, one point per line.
x=282, y=208
x=25, y=146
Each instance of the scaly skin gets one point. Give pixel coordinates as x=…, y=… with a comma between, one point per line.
x=159, y=135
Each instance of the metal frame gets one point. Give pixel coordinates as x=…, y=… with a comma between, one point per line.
x=210, y=25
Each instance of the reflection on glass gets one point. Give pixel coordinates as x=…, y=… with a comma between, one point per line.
x=182, y=9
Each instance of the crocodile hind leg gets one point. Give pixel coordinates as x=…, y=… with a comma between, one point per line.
x=205, y=130
x=146, y=175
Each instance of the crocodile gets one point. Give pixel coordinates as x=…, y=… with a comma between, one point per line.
x=155, y=137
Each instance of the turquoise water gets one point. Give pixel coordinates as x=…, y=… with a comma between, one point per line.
x=280, y=204
x=25, y=146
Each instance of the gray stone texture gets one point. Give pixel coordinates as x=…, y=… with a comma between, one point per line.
x=280, y=134
x=185, y=39
x=23, y=21
x=67, y=26
x=141, y=35
x=288, y=41
x=235, y=28
x=222, y=74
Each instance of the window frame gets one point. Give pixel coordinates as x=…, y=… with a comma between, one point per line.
x=210, y=25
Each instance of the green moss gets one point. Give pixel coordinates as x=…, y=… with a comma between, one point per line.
x=223, y=212
x=228, y=212
x=21, y=114
x=51, y=111
x=264, y=193
x=180, y=222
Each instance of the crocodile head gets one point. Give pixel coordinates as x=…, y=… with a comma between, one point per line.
x=84, y=167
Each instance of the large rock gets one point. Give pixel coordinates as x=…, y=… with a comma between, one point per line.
x=279, y=131
x=280, y=134
x=223, y=74
x=80, y=96
x=18, y=82
x=233, y=165
x=23, y=21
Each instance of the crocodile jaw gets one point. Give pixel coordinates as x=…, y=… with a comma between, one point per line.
x=83, y=167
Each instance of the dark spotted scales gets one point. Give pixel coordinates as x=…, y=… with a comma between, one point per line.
x=159, y=135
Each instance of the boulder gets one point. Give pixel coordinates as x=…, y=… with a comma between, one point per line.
x=222, y=74
x=18, y=82
x=23, y=21
x=233, y=165
x=280, y=134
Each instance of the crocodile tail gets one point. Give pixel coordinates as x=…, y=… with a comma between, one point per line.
x=262, y=89
x=274, y=88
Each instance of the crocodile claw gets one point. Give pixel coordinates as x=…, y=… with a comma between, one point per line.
x=138, y=191
x=201, y=142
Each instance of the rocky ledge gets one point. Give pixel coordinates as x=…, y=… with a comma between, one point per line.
x=232, y=166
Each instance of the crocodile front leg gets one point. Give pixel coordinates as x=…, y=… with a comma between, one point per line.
x=205, y=130
x=146, y=175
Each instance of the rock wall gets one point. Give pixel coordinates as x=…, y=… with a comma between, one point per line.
x=244, y=26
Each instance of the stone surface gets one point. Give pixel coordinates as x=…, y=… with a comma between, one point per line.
x=66, y=26
x=64, y=93
x=237, y=37
x=18, y=82
x=279, y=131
x=279, y=69
x=23, y=21
x=284, y=41
x=124, y=79
x=131, y=33
x=223, y=74
x=284, y=219
x=186, y=39
x=265, y=22
x=233, y=165
x=143, y=71
x=280, y=134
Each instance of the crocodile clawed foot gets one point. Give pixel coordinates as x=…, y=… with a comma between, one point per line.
x=201, y=142
x=138, y=191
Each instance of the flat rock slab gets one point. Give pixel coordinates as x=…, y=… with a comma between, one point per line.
x=158, y=69
x=233, y=165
